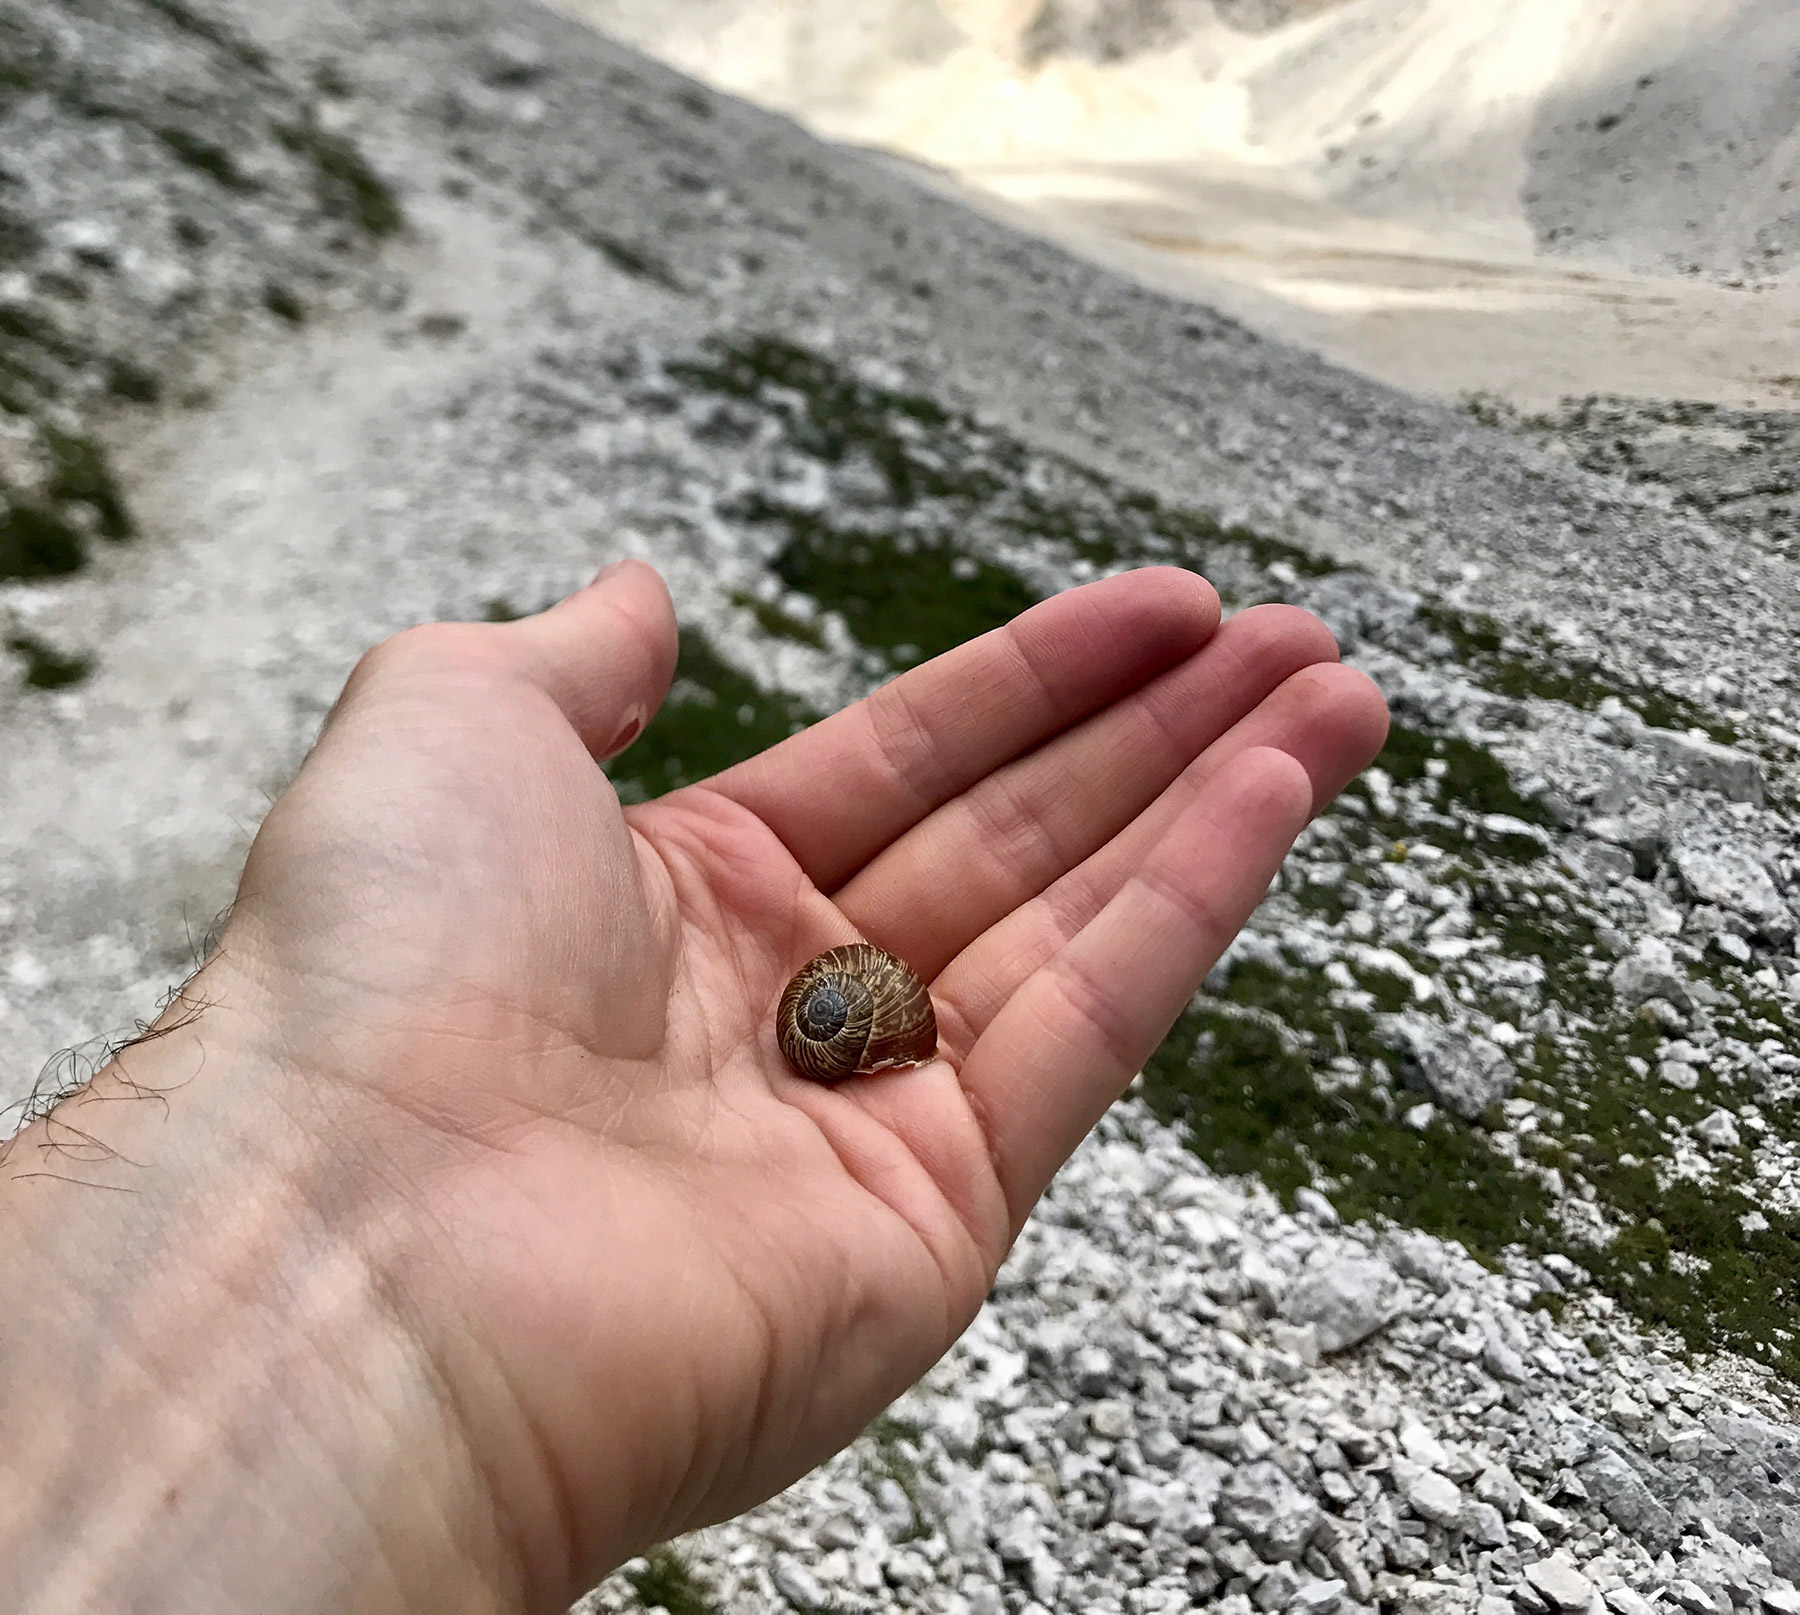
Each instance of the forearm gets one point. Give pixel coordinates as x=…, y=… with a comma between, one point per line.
x=208, y=1398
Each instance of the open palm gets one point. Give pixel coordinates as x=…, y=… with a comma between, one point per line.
x=659, y=1274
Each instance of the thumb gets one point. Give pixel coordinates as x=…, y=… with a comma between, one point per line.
x=605, y=655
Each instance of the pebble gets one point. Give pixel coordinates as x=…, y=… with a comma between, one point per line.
x=1560, y=1584
x=1719, y=1130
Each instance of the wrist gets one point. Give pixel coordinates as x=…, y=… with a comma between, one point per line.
x=210, y=1397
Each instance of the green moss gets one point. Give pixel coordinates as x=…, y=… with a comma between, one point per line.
x=715, y=716
x=1471, y=777
x=950, y=474
x=1724, y=1286
x=779, y=624
x=127, y=379
x=632, y=260
x=1523, y=663
x=346, y=186
x=202, y=155
x=891, y=1446
x=911, y=601
x=82, y=476
x=284, y=303
x=36, y=542
x=191, y=22
x=19, y=237
x=47, y=668
x=667, y=1582
x=1261, y=1101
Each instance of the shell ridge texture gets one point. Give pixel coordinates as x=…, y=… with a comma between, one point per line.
x=887, y=1021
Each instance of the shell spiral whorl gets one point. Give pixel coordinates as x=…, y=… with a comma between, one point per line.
x=854, y=1010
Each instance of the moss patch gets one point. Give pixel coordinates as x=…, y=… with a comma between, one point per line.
x=1522, y=663
x=47, y=668
x=36, y=542
x=715, y=716
x=204, y=157
x=284, y=303
x=777, y=623
x=192, y=22
x=910, y=601
x=344, y=183
x=667, y=1582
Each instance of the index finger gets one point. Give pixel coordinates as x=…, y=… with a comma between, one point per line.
x=840, y=792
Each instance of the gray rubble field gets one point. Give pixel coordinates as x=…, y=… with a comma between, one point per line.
x=1447, y=1257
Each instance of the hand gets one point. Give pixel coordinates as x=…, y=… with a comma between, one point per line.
x=512, y=1045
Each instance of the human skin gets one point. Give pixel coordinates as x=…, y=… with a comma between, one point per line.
x=462, y=1232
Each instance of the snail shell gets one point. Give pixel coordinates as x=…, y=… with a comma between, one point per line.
x=854, y=1010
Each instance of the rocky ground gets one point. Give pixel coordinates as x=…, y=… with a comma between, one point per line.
x=1449, y=1252
x=1735, y=467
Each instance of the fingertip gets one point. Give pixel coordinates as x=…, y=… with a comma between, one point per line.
x=1367, y=719
x=607, y=653
x=1272, y=787
x=1303, y=635
x=1175, y=588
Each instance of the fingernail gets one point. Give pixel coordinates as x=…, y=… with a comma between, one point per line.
x=628, y=732
x=607, y=571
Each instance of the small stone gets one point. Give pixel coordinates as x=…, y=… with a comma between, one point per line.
x=511, y=60
x=1483, y=1525
x=1500, y=1360
x=1684, y=1448
x=1540, y=1517
x=1734, y=947
x=1345, y=1302
x=1420, y=1445
x=1627, y=1501
x=1428, y=1494
x=1460, y=1070
x=1623, y=1601
x=1420, y=1257
x=1111, y=1420
x=1691, y=1596
x=1735, y=877
x=1559, y=1583
x=1309, y=1201
x=798, y=1585
x=904, y=1568
x=1317, y=1598
x=1496, y=1485
x=1419, y=1117
x=1092, y=1370
x=1777, y=1600
x=1647, y=972
x=1276, y=1589
x=1708, y=766
x=1719, y=1130
x=1494, y=1604
x=1679, y=1074
x=1138, y=1501
x=1270, y=1511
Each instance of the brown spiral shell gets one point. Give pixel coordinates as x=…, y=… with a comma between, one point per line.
x=854, y=1010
